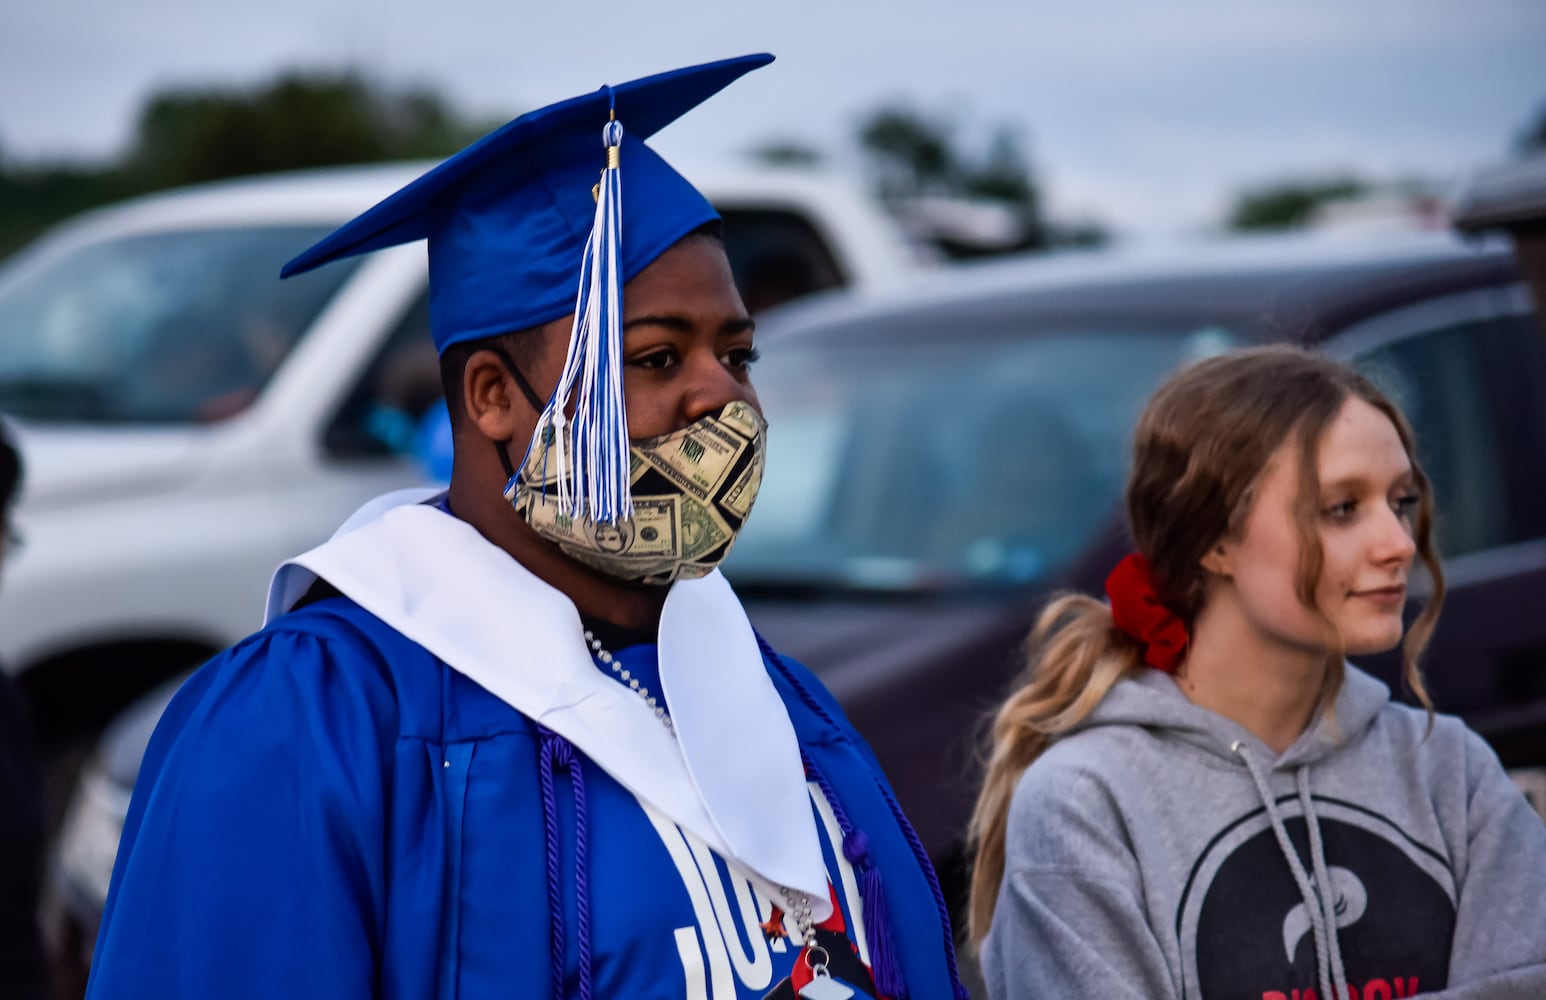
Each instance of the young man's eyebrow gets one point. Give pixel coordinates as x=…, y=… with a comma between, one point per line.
x=682, y=324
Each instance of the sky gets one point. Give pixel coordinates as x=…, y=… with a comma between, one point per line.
x=1145, y=115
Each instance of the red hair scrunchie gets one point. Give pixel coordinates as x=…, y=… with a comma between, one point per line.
x=1137, y=610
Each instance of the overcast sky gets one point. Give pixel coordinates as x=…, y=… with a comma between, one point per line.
x=1144, y=114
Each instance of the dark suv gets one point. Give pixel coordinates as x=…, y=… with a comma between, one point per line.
x=939, y=463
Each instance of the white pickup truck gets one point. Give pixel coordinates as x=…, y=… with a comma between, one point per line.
x=187, y=420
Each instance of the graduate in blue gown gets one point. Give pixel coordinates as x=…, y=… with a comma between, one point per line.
x=520, y=739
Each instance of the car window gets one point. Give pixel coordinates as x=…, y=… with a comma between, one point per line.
x=170, y=327
x=776, y=255
x=1474, y=390
x=973, y=460
x=387, y=410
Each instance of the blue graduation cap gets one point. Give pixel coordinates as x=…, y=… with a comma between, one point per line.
x=508, y=218
x=521, y=233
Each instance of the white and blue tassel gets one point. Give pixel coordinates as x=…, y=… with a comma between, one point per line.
x=590, y=450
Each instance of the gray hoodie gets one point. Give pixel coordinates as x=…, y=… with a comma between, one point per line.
x=1163, y=851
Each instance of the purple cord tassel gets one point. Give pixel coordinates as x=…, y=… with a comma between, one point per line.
x=877, y=921
x=550, y=844
x=581, y=875
x=558, y=753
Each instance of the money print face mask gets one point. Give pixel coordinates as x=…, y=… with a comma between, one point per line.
x=692, y=490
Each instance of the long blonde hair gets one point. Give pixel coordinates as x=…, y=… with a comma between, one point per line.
x=1198, y=451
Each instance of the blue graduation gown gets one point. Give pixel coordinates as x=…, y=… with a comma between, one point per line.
x=328, y=810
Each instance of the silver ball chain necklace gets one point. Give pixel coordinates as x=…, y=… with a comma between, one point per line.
x=606, y=659
x=796, y=904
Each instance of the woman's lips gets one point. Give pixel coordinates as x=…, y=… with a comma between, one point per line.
x=1384, y=597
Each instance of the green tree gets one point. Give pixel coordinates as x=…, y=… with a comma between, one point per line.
x=195, y=134
x=1004, y=175
x=1286, y=204
x=911, y=154
x=914, y=156
x=298, y=121
x=34, y=198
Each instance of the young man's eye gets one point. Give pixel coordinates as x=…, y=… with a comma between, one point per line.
x=742, y=357
x=663, y=358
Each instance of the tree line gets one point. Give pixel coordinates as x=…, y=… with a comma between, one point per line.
x=188, y=135
x=918, y=164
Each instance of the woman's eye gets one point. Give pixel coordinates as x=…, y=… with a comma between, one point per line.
x=1407, y=504
x=1341, y=511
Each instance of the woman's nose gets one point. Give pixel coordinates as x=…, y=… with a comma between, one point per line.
x=1395, y=540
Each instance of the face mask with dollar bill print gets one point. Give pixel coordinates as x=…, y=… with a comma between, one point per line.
x=692, y=490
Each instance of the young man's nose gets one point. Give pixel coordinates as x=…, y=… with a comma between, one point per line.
x=711, y=389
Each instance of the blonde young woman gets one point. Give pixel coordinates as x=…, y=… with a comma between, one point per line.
x=1191, y=794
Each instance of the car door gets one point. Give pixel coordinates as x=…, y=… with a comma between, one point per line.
x=1469, y=370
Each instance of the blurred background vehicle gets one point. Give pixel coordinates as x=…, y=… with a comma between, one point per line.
x=944, y=456
x=1510, y=198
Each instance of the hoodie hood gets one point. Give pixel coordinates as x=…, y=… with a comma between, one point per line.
x=1151, y=700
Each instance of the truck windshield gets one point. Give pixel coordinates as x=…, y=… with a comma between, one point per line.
x=171, y=327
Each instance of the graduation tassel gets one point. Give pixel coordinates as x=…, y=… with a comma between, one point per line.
x=590, y=450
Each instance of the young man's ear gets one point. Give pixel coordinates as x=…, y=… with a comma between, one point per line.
x=493, y=403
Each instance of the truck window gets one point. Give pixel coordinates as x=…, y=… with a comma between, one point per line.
x=777, y=255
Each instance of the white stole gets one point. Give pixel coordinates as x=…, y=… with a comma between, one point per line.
x=731, y=774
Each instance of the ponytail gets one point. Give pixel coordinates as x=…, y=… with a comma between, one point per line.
x=1075, y=656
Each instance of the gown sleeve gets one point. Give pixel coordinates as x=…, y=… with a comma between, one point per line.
x=252, y=858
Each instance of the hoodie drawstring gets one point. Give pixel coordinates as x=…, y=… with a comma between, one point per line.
x=1328, y=894
x=557, y=752
x=1318, y=905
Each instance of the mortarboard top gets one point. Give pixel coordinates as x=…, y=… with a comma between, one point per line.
x=508, y=218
